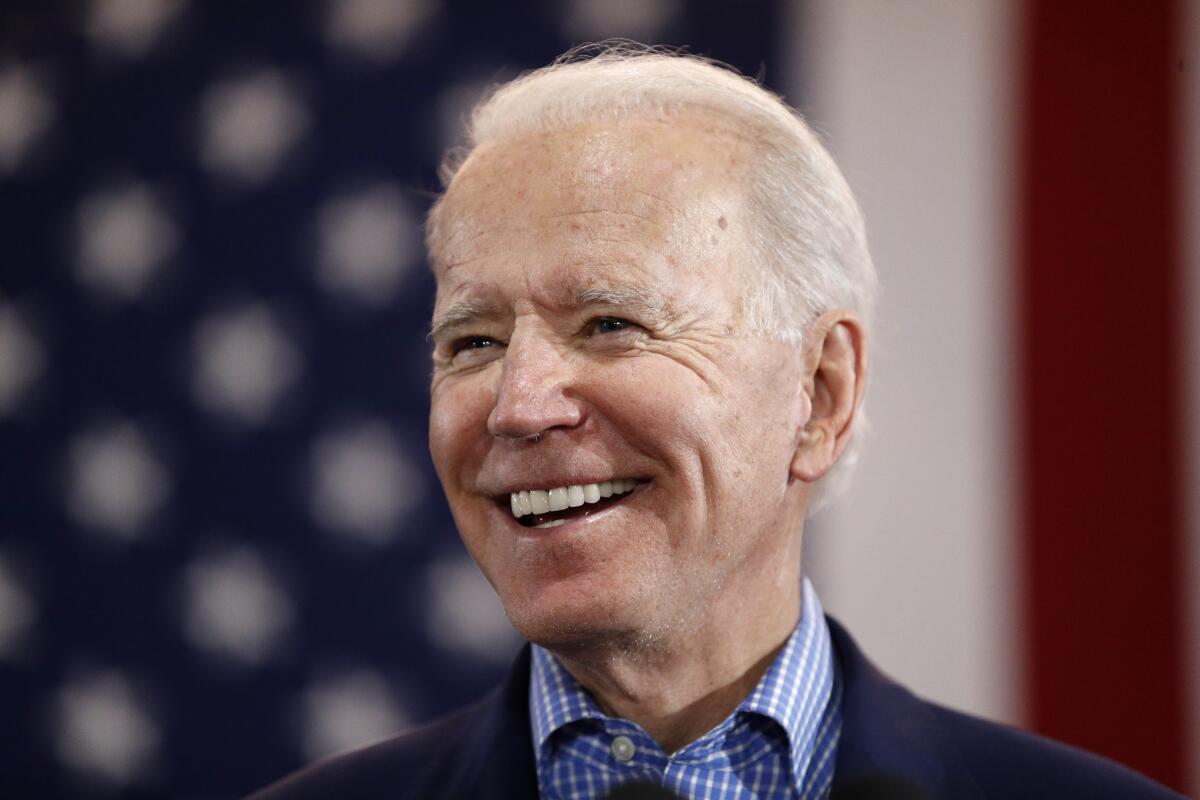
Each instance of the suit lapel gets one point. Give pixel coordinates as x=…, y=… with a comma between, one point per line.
x=887, y=731
x=500, y=763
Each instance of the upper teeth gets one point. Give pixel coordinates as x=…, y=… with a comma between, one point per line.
x=543, y=501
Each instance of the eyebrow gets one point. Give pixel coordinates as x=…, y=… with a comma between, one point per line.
x=457, y=314
x=635, y=300
x=631, y=297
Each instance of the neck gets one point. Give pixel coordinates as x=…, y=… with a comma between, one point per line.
x=678, y=687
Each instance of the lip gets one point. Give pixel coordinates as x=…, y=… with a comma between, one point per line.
x=571, y=525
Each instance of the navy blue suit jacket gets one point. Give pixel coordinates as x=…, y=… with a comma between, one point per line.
x=485, y=751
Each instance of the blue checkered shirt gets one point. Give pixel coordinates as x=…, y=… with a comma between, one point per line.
x=779, y=743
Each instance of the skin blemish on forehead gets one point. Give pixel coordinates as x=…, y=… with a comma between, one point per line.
x=722, y=223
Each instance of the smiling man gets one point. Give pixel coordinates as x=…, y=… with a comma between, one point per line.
x=651, y=349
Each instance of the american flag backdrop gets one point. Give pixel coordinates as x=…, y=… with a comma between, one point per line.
x=223, y=551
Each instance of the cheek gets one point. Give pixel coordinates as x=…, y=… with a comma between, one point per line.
x=645, y=389
x=663, y=411
x=458, y=415
x=760, y=436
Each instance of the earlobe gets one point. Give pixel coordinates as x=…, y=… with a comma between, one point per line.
x=813, y=456
x=834, y=378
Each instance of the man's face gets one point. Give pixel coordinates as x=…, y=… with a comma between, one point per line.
x=588, y=330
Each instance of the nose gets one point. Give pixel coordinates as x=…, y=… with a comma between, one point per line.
x=535, y=391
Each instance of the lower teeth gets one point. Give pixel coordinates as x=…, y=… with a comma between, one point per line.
x=554, y=523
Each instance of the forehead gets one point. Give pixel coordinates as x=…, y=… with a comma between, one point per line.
x=613, y=160
x=639, y=195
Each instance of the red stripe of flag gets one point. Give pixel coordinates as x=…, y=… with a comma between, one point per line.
x=1102, y=436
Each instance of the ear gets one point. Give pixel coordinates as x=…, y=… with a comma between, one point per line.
x=835, y=377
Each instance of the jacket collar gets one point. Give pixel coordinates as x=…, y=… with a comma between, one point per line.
x=887, y=731
x=499, y=752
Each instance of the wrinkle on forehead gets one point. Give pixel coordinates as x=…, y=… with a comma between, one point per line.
x=585, y=211
x=575, y=284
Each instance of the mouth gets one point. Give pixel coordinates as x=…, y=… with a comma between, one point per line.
x=549, y=508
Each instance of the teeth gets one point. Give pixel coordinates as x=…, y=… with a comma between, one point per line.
x=543, y=501
x=554, y=523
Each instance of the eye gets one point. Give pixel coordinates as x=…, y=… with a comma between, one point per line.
x=471, y=343
x=472, y=351
x=609, y=325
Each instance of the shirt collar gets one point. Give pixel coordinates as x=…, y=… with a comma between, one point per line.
x=795, y=692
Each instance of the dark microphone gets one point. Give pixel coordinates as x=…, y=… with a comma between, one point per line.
x=641, y=790
x=877, y=787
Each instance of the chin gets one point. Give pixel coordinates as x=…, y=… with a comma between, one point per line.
x=574, y=623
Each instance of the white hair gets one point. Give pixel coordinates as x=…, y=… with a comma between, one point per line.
x=809, y=238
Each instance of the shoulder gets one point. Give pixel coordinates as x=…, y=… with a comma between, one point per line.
x=1007, y=762
x=483, y=751
x=419, y=762
x=886, y=730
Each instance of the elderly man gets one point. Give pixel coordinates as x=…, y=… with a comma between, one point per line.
x=651, y=349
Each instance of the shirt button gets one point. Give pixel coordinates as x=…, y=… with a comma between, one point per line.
x=623, y=748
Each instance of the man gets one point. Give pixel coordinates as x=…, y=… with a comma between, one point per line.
x=651, y=349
